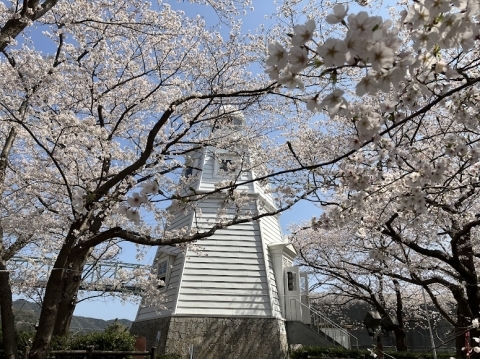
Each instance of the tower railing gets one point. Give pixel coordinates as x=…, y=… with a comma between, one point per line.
x=328, y=329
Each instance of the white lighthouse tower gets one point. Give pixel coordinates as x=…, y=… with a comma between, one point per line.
x=230, y=297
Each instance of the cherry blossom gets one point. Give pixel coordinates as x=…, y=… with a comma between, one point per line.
x=134, y=216
x=362, y=24
x=303, y=33
x=150, y=187
x=381, y=56
x=96, y=127
x=78, y=201
x=136, y=200
x=298, y=58
x=367, y=85
x=312, y=104
x=339, y=13
x=333, y=101
x=418, y=15
x=396, y=156
x=278, y=56
x=290, y=80
x=333, y=52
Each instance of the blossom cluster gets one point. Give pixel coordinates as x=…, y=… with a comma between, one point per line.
x=129, y=210
x=136, y=200
x=373, y=45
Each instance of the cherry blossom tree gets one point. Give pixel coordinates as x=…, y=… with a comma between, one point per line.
x=350, y=268
x=395, y=150
x=97, y=123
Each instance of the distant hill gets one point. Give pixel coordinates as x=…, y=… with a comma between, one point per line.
x=27, y=314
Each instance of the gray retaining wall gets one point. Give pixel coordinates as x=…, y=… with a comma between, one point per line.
x=226, y=338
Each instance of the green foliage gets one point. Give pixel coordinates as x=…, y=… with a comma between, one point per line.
x=114, y=337
x=23, y=339
x=60, y=343
x=328, y=352
x=336, y=352
x=169, y=356
x=415, y=355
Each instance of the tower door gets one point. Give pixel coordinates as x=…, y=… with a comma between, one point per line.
x=293, y=298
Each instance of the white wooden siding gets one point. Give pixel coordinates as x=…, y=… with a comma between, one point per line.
x=271, y=230
x=263, y=191
x=177, y=259
x=227, y=276
x=271, y=233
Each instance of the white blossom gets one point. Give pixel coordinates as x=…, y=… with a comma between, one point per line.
x=333, y=52
x=367, y=85
x=298, y=58
x=150, y=187
x=362, y=24
x=289, y=79
x=418, y=15
x=273, y=72
x=333, y=101
x=381, y=56
x=278, y=56
x=312, y=104
x=303, y=33
x=137, y=199
x=339, y=13
x=133, y=216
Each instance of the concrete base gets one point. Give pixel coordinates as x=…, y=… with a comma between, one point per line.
x=213, y=338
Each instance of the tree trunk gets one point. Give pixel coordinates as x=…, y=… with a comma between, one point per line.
x=400, y=339
x=48, y=315
x=52, y=298
x=67, y=305
x=8, y=318
x=468, y=309
x=400, y=335
x=6, y=301
x=463, y=322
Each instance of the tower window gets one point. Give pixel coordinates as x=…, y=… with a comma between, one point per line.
x=291, y=281
x=162, y=268
x=226, y=165
x=188, y=171
x=230, y=123
x=191, y=167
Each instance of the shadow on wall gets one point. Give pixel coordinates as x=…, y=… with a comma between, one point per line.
x=212, y=338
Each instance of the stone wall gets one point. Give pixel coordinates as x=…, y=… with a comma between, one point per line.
x=226, y=338
x=154, y=331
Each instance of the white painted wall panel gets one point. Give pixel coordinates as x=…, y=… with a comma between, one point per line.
x=228, y=273
x=225, y=312
x=174, y=274
x=245, y=291
x=271, y=233
x=223, y=284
